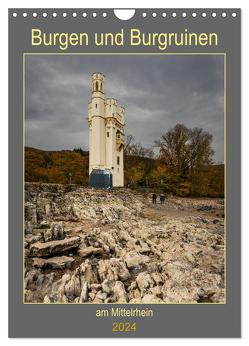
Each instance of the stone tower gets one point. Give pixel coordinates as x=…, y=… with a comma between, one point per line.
x=106, y=132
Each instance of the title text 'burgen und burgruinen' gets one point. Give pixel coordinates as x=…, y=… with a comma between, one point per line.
x=134, y=37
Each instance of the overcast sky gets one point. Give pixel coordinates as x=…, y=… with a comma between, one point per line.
x=156, y=91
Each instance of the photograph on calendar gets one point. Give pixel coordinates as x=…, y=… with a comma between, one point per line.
x=124, y=179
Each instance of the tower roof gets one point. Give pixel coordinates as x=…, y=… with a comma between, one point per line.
x=98, y=75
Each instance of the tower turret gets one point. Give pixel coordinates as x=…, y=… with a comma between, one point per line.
x=98, y=80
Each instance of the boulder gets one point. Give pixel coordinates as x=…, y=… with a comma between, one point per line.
x=113, y=269
x=101, y=295
x=54, y=247
x=119, y=293
x=87, y=273
x=56, y=232
x=61, y=262
x=157, y=277
x=31, y=239
x=73, y=287
x=30, y=212
x=90, y=250
x=144, y=281
x=48, y=235
x=84, y=293
x=108, y=240
x=156, y=291
x=95, y=287
x=133, y=259
x=107, y=286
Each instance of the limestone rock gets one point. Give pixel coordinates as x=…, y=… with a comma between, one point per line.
x=95, y=287
x=101, y=295
x=91, y=296
x=156, y=291
x=108, y=240
x=61, y=262
x=73, y=287
x=48, y=235
x=113, y=269
x=54, y=247
x=46, y=300
x=31, y=239
x=90, y=250
x=133, y=259
x=158, y=278
x=144, y=281
x=87, y=273
x=120, y=295
x=58, y=231
x=124, y=235
x=31, y=276
x=84, y=293
x=107, y=286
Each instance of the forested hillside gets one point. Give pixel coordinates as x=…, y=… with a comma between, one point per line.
x=55, y=167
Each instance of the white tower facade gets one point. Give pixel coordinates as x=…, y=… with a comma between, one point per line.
x=106, y=132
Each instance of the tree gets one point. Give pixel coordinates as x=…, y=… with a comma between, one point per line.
x=184, y=149
x=187, y=154
x=138, y=161
x=80, y=151
x=133, y=148
x=175, y=148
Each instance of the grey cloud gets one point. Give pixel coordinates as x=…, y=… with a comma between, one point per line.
x=157, y=92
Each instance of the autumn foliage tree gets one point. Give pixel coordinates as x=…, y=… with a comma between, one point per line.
x=55, y=166
x=138, y=162
x=188, y=156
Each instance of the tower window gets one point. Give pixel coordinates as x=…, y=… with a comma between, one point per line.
x=96, y=106
x=97, y=86
x=107, y=134
x=118, y=160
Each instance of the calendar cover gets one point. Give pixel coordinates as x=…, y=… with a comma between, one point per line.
x=124, y=163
